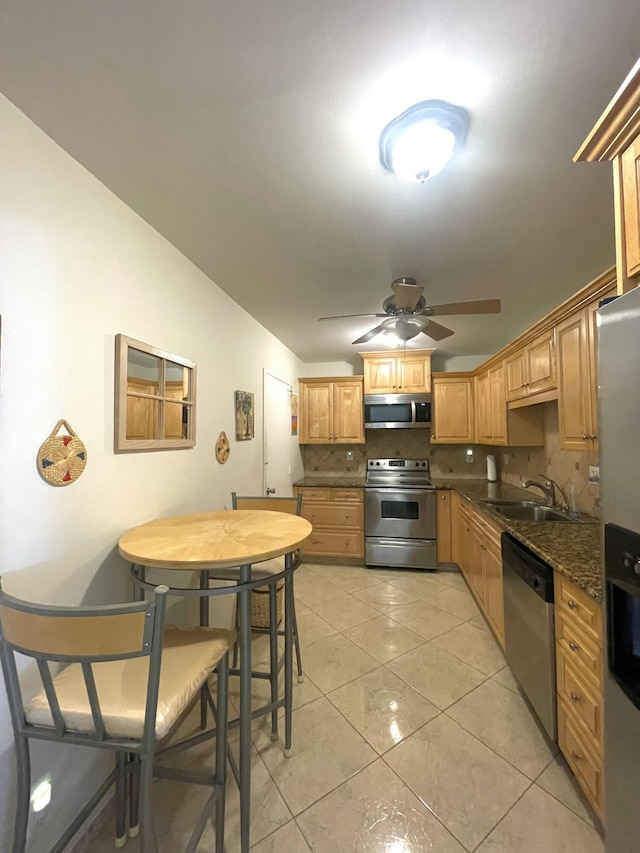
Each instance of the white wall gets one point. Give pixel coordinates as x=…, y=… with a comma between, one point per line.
x=330, y=368
x=76, y=267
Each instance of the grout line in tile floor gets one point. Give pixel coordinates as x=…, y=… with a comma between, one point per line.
x=441, y=712
x=286, y=782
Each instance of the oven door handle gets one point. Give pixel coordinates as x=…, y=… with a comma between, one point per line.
x=399, y=490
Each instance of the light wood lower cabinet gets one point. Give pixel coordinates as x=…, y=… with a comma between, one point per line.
x=579, y=669
x=443, y=525
x=476, y=548
x=337, y=516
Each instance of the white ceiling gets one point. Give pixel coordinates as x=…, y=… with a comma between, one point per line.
x=246, y=132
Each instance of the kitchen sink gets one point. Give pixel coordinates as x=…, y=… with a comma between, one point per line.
x=525, y=511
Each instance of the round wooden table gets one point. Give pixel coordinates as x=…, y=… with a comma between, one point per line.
x=212, y=542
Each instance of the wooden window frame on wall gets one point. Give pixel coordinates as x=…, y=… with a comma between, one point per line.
x=123, y=393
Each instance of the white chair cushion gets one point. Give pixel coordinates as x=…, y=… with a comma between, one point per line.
x=188, y=657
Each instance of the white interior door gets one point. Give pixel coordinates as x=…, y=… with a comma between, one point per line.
x=277, y=436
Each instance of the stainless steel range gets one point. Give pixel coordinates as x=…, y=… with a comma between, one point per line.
x=400, y=514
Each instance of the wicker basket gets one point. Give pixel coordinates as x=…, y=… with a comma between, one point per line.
x=260, y=605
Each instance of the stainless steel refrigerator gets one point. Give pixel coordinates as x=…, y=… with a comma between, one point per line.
x=619, y=416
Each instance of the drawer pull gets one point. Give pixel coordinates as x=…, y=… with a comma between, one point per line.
x=314, y=494
x=313, y=515
x=575, y=755
x=314, y=541
x=571, y=603
x=573, y=646
x=575, y=697
x=346, y=515
x=347, y=542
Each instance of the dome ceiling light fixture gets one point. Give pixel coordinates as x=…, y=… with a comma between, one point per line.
x=418, y=144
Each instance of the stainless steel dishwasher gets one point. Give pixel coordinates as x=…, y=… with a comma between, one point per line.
x=529, y=636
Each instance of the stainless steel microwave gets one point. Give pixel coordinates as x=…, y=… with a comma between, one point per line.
x=397, y=411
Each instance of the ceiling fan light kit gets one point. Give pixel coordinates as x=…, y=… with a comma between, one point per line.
x=418, y=144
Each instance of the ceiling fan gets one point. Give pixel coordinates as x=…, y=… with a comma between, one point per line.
x=406, y=313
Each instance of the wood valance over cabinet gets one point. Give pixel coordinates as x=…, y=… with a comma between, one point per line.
x=616, y=137
x=331, y=411
x=390, y=373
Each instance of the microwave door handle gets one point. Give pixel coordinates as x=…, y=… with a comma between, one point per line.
x=413, y=413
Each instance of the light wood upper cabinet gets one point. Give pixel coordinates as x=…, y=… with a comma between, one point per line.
x=616, y=137
x=574, y=380
x=452, y=415
x=532, y=369
x=577, y=338
x=409, y=373
x=380, y=375
x=331, y=411
x=630, y=168
x=491, y=407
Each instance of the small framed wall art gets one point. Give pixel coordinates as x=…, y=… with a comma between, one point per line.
x=244, y=415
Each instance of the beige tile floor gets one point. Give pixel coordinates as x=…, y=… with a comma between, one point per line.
x=410, y=736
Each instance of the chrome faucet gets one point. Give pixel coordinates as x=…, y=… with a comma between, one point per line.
x=549, y=487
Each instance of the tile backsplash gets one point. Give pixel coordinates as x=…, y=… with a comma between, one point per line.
x=450, y=460
x=563, y=466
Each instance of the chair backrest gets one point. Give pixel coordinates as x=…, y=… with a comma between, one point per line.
x=290, y=505
x=80, y=635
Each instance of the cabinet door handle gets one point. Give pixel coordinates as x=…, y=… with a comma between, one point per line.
x=573, y=646
x=442, y=498
x=571, y=603
x=575, y=697
x=584, y=436
x=575, y=755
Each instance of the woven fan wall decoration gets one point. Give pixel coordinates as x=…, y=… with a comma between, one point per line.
x=62, y=458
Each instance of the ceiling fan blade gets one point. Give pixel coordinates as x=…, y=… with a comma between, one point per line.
x=478, y=306
x=436, y=331
x=346, y=316
x=370, y=334
x=407, y=295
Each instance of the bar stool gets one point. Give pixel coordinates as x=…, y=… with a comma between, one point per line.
x=127, y=684
x=270, y=572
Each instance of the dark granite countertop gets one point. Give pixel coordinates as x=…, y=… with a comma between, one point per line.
x=573, y=550
x=331, y=481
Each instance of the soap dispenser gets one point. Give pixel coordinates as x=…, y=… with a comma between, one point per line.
x=572, y=501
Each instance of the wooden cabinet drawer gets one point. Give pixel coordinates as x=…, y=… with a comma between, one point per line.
x=580, y=758
x=338, y=544
x=347, y=495
x=584, y=654
x=312, y=493
x=579, y=608
x=579, y=695
x=334, y=515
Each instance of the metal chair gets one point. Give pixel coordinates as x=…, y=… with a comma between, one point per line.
x=269, y=570
x=126, y=684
